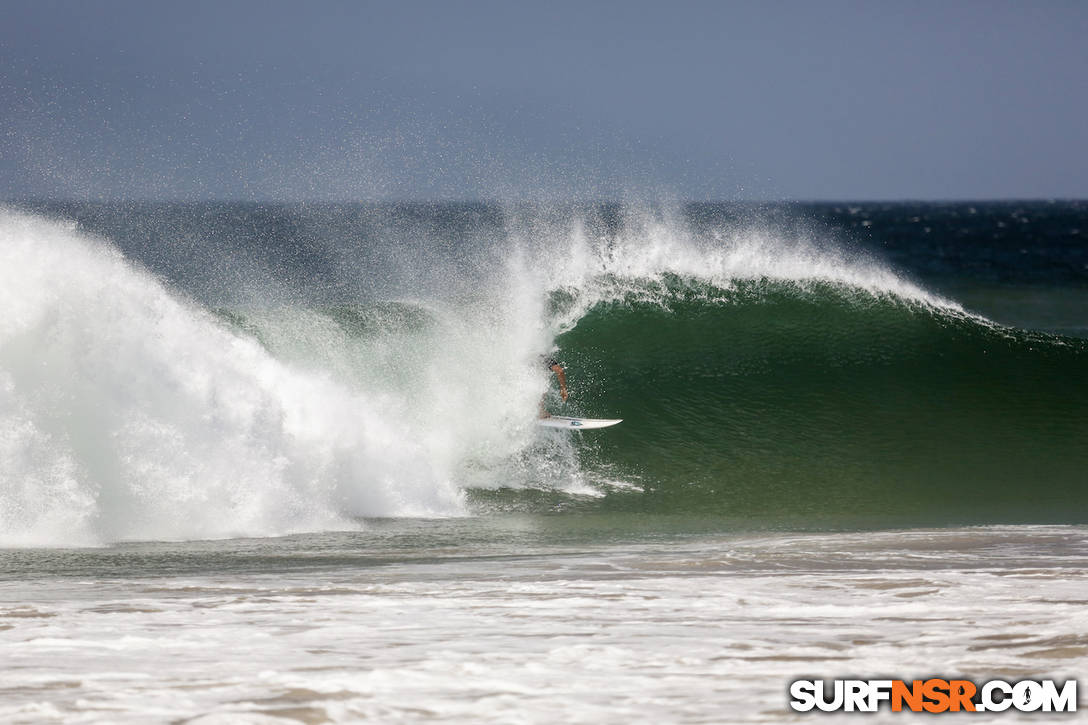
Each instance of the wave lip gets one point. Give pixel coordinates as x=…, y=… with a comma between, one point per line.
x=652, y=258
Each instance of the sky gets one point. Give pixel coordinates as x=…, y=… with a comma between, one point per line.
x=401, y=100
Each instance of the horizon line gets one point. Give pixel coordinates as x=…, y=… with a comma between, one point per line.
x=569, y=201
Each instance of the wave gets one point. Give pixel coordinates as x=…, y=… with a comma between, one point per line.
x=759, y=377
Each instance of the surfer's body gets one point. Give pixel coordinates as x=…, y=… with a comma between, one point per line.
x=552, y=364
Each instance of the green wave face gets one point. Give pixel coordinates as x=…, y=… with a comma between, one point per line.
x=771, y=401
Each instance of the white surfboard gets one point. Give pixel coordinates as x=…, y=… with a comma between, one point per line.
x=562, y=421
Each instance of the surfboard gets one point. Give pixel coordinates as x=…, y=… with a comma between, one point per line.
x=562, y=421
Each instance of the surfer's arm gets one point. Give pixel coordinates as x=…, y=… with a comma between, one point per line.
x=562, y=377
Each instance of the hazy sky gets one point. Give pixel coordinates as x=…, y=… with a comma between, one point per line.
x=254, y=99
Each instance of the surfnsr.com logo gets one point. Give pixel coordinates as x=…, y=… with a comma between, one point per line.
x=933, y=695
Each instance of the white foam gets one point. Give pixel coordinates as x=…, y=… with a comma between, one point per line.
x=128, y=413
x=687, y=630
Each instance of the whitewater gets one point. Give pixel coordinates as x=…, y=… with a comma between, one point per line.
x=129, y=413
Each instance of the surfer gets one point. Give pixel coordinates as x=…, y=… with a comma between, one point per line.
x=552, y=364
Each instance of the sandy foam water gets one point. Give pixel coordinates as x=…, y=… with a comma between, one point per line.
x=692, y=630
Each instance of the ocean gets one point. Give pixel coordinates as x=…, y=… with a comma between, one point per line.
x=269, y=462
